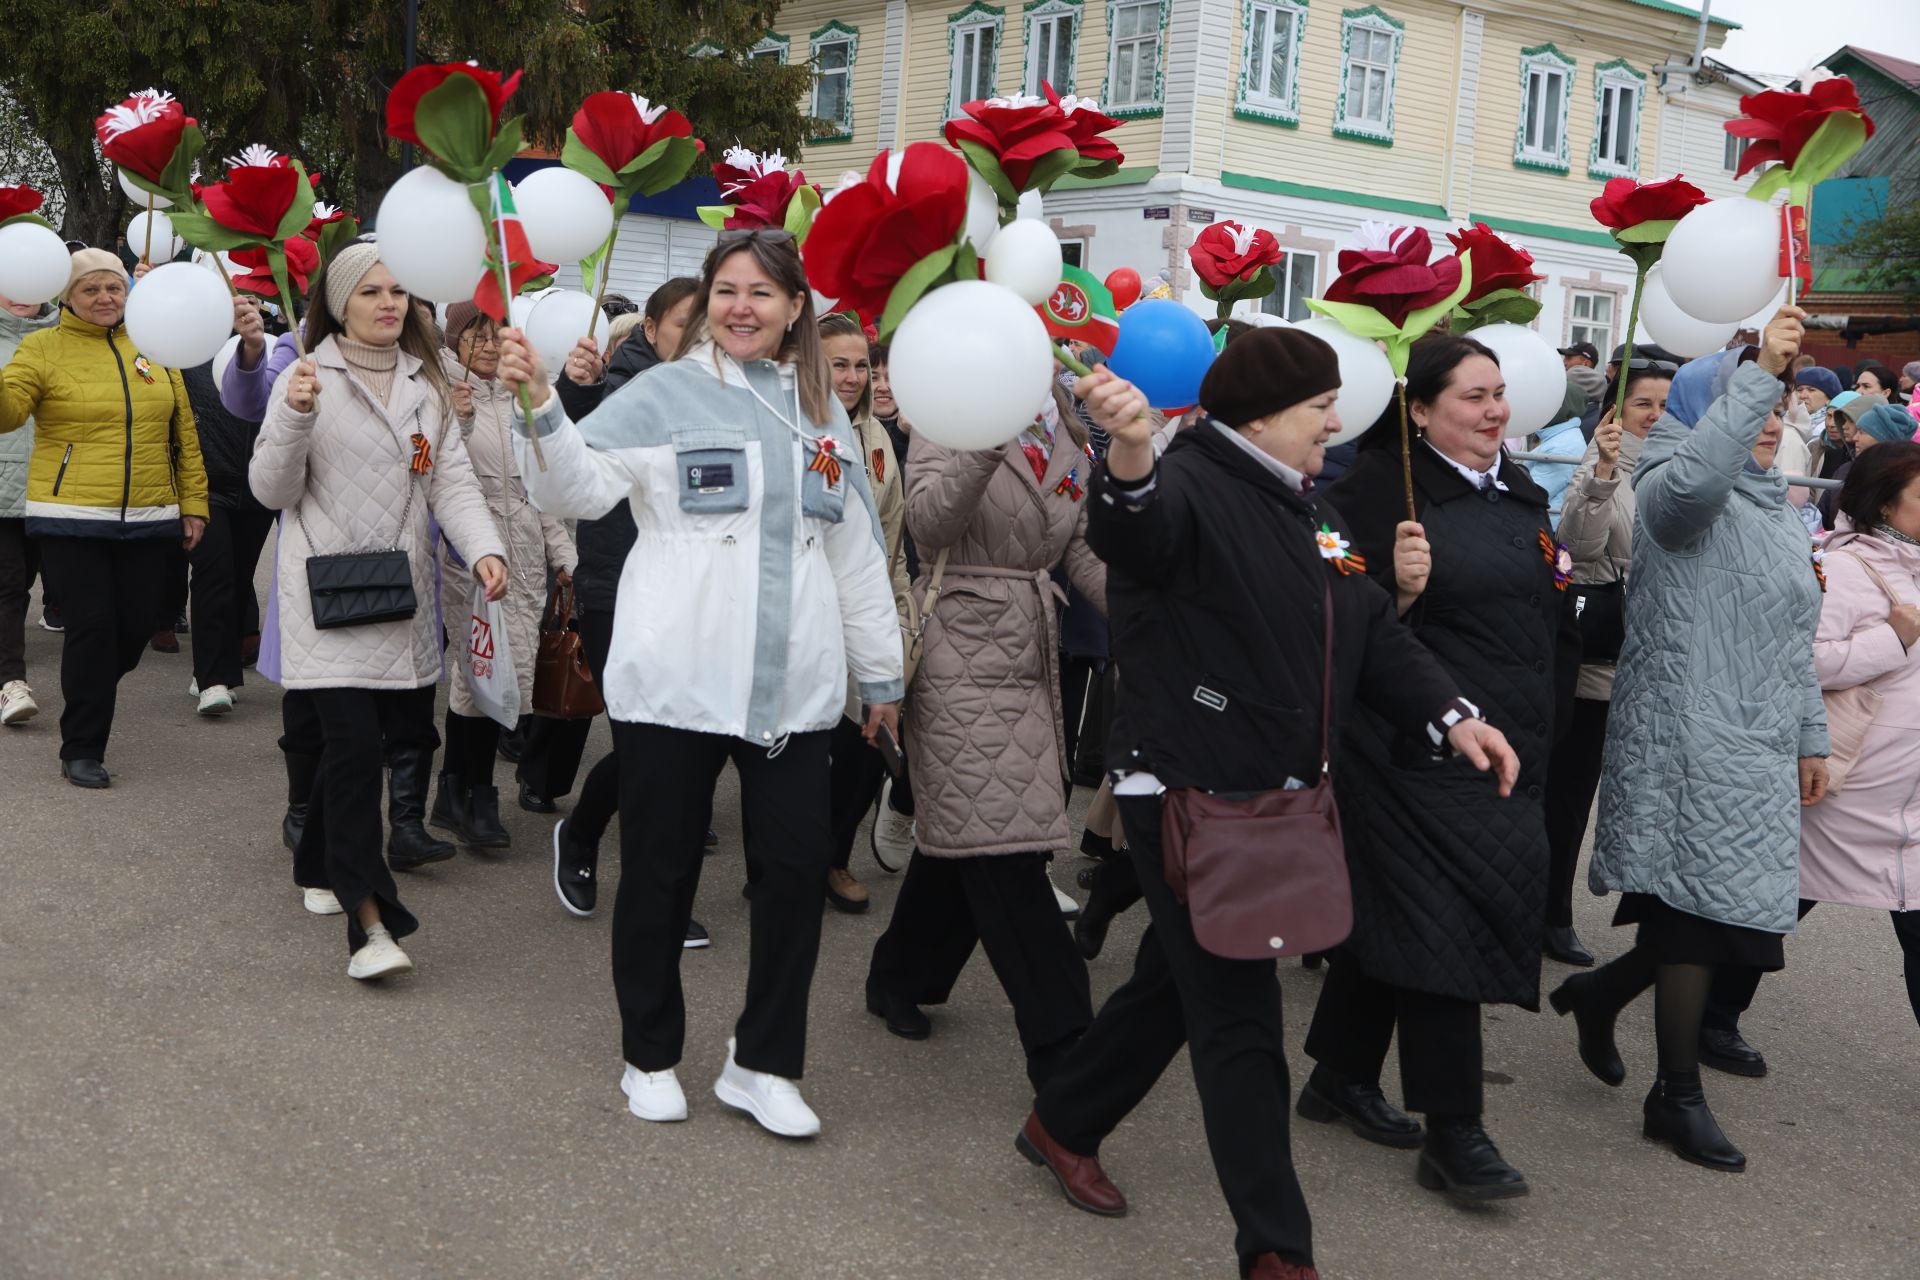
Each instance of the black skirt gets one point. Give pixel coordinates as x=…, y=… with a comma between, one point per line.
x=1676, y=937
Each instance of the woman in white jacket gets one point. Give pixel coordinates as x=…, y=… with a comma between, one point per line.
x=360, y=447
x=757, y=582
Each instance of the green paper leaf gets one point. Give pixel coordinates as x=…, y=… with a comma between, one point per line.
x=300, y=212
x=455, y=123
x=1772, y=179
x=801, y=211
x=1091, y=169
x=177, y=181
x=987, y=165
x=1417, y=323
x=277, y=264
x=33, y=218
x=507, y=144
x=671, y=167
x=334, y=237
x=1833, y=144
x=1260, y=286
x=1356, y=318
x=1502, y=306
x=715, y=215
x=919, y=278
x=1207, y=292
x=645, y=160
x=1050, y=168
x=202, y=232
x=577, y=157
x=966, y=261
x=1655, y=232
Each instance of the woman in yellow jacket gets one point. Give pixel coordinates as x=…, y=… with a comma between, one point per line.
x=115, y=477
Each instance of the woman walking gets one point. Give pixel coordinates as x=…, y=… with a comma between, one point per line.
x=1219, y=561
x=1719, y=734
x=757, y=580
x=19, y=554
x=361, y=449
x=114, y=488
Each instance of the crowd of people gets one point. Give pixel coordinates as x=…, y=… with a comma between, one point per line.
x=1445, y=655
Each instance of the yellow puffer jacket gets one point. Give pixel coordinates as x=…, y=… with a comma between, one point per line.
x=114, y=452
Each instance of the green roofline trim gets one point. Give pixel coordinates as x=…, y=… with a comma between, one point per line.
x=1247, y=182
x=1546, y=231
x=1118, y=178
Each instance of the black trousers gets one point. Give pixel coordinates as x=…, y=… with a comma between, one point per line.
x=1004, y=903
x=1573, y=777
x=1228, y=1014
x=113, y=597
x=1440, y=1046
x=178, y=587
x=341, y=847
x=666, y=805
x=471, y=744
x=222, y=591
x=1734, y=986
x=19, y=561
x=852, y=786
x=600, y=793
x=551, y=761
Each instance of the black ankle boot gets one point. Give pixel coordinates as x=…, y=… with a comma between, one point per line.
x=1677, y=1113
x=1584, y=995
x=450, y=804
x=409, y=844
x=303, y=771
x=1460, y=1159
x=1326, y=1098
x=1112, y=888
x=483, y=819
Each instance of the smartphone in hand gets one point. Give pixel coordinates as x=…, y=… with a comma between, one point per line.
x=889, y=749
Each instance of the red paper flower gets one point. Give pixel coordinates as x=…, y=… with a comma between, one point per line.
x=1390, y=273
x=620, y=127
x=1781, y=123
x=1624, y=202
x=404, y=100
x=253, y=199
x=1227, y=251
x=868, y=234
x=1085, y=125
x=757, y=188
x=303, y=259
x=1018, y=131
x=142, y=133
x=15, y=201
x=1498, y=263
x=324, y=215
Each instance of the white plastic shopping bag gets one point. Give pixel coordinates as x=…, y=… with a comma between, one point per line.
x=496, y=690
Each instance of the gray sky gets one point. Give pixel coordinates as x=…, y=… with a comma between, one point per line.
x=1781, y=36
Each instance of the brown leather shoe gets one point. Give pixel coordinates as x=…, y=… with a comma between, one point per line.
x=844, y=892
x=1271, y=1266
x=164, y=642
x=1081, y=1178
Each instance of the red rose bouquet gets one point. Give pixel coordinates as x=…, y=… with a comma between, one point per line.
x=1087, y=126
x=1234, y=262
x=759, y=192
x=264, y=202
x=1641, y=215
x=1016, y=144
x=878, y=245
x=1808, y=135
x=153, y=141
x=1502, y=270
x=21, y=204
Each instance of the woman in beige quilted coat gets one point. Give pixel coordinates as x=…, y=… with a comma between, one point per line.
x=361, y=449
x=468, y=803
x=984, y=737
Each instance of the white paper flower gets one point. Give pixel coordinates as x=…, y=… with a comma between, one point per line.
x=1017, y=100
x=143, y=107
x=1242, y=237
x=1071, y=104
x=255, y=156
x=321, y=209
x=1380, y=237
x=647, y=112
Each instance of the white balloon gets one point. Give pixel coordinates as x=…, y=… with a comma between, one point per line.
x=566, y=215
x=431, y=237
x=179, y=315
x=1025, y=257
x=822, y=304
x=163, y=246
x=223, y=358
x=1030, y=206
x=1680, y=333
x=558, y=321
x=1366, y=379
x=971, y=365
x=139, y=195
x=34, y=263
x=520, y=308
x=983, y=212
x=1535, y=373
x=1264, y=320
x=1722, y=261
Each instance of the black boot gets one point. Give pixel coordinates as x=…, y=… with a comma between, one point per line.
x=450, y=804
x=1112, y=887
x=409, y=844
x=1676, y=1113
x=483, y=819
x=302, y=772
x=1563, y=944
x=1326, y=1098
x=1585, y=997
x=1461, y=1160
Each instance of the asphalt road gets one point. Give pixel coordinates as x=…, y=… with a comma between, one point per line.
x=191, y=1086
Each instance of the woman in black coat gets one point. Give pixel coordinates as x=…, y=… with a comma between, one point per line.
x=1449, y=883
x=1219, y=559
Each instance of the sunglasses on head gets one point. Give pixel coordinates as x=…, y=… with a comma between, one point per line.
x=1653, y=366
x=765, y=235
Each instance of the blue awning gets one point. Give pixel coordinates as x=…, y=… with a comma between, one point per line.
x=676, y=202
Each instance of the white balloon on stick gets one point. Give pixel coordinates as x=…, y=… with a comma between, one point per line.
x=1672, y=327
x=983, y=212
x=223, y=358
x=566, y=214
x=162, y=246
x=1535, y=374
x=556, y=322
x=431, y=237
x=1722, y=262
x=1025, y=257
x=140, y=195
x=34, y=263
x=179, y=315
x=1030, y=206
x=1366, y=378
x=971, y=365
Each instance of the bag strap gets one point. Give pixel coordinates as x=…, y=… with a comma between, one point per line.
x=1879, y=581
x=559, y=609
x=1326, y=688
x=922, y=610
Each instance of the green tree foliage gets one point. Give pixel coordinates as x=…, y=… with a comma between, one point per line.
x=1886, y=251
x=313, y=78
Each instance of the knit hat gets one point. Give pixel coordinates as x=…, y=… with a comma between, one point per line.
x=1840, y=402
x=88, y=261
x=1267, y=370
x=1820, y=380
x=345, y=272
x=1911, y=369
x=1885, y=423
x=459, y=316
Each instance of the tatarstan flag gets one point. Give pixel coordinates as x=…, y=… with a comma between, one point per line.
x=522, y=266
x=1081, y=310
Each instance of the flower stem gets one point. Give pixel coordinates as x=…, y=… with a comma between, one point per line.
x=1406, y=450
x=1626, y=354
x=505, y=276
x=603, y=265
x=1073, y=362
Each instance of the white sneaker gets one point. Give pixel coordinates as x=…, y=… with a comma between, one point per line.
x=893, y=835
x=654, y=1095
x=774, y=1101
x=1068, y=907
x=321, y=902
x=216, y=701
x=193, y=687
x=16, y=703
x=380, y=957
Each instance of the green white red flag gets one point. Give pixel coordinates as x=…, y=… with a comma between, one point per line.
x=1081, y=310
x=521, y=265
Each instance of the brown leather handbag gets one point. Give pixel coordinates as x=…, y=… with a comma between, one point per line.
x=563, y=683
x=1263, y=874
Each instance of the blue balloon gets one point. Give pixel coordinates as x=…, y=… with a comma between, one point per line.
x=1164, y=349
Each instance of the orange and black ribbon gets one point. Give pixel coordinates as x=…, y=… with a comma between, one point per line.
x=827, y=465
x=1350, y=563
x=879, y=466
x=422, y=455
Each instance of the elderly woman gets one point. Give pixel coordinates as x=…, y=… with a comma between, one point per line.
x=1219, y=576
x=1719, y=734
x=114, y=487
x=19, y=556
x=1852, y=409
x=1815, y=389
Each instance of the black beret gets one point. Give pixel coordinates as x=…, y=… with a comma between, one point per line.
x=1267, y=370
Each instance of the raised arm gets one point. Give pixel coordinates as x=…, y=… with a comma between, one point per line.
x=577, y=481
x=944, y=488
x=278, y=472
x=245, y=392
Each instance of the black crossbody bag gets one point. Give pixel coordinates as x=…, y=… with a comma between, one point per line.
x=355, y=588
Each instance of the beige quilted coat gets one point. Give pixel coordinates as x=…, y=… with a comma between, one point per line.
x=985, y=740
x=346, y=466
x=534, y=541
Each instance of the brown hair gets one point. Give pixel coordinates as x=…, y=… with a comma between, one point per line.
x=1876, y=480
x=417, y=339
x=838, y=324
x=670, y=295
x=1429, y=369
x=801, y=344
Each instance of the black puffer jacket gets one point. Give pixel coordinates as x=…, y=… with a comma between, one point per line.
x=226, y=442
x=603, y=544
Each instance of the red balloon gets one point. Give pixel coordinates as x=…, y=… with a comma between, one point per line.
x=1124, y=284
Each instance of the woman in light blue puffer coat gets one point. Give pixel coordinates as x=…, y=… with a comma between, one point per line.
x=17, y=560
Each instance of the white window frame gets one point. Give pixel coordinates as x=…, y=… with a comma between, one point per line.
x=1599, y=331
x=1292, y=263
x=705, y=49
x=975, y=22
x=1375, y=22
x=1540, y=66
x=1059, y=21
x=834, y=33
x=1257, y=98
x=1609, y=80
x=772, y=46
x=1733, y=151
x=1137, y=105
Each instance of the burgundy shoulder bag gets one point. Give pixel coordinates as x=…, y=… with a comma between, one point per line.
x=563, y=683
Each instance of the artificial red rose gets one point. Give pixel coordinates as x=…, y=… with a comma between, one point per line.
x=324, y=215
x=1624, y=203
x=1018, y=131
x=1781, y=122
x=757, y=189
x=15, y=201
x=1086, y=125
x=1227, y=251
x=142, y=133
x=253, y=199
x=404, y=100
x=303, y=259
x=1390, y=272
x=621, y=127
x=868, y=234
x=1497, y=263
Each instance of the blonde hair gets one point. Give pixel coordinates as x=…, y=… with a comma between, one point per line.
x=622, y=326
